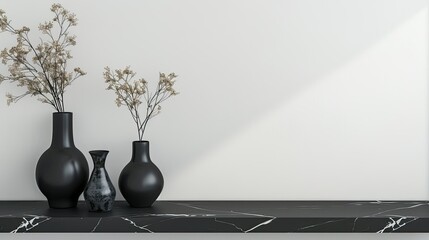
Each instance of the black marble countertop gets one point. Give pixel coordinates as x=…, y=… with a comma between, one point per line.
x=221, y=216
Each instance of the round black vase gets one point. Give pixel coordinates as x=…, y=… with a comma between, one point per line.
x=99, y=193
x=141, y=182
x=62, y=170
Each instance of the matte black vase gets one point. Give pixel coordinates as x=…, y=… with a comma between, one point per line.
x=140, y=181
x=99, y=193
x=62, y=171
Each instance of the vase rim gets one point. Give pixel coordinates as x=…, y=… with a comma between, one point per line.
x=141, y=141
x=98, y=151
x=62, y=113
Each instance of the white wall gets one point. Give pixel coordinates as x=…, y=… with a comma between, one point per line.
x=280, y=99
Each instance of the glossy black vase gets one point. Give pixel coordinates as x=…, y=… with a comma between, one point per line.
x=140, y=181
x=62, y=171
x=99, y=193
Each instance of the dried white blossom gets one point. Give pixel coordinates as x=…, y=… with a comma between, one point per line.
x=55, y=7
x=9, y=98
x=71, y=40
x=71, y=18
x=41, y=68
x=130, y=92
x=3, y=21
x=46, y=27
x=79, y=71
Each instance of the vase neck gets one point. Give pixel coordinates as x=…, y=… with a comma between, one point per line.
x=62, y=130
x=99, y=157
x=141, y=152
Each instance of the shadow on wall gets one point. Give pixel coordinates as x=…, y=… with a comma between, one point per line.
x=263, y=61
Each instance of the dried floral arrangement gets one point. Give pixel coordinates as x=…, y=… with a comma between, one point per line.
x=130, y=92
x=41, y=67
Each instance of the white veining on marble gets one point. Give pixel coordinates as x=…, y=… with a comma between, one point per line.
x=250, y=229
x=224, y=212
x=252, y=214
x=373, y=202
x=180, y=215
x=232, y=224
x=198, y=208
x=256, y=215
x=354, y=224
x=137, y=226
x=169, y=215
x=394, y=225
x=271, y=218
x=96, y=225
x=261, y=224
x=174, y=215
x=400, y=216
x=30, y=224
x=396, y=209
x=320, y=224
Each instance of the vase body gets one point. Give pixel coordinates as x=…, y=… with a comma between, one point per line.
x=141, y=182
x=99, y=193
x=62, y=170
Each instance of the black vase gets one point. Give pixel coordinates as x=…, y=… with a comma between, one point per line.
x=99, y=193
x=62, y=170
x=141, y=182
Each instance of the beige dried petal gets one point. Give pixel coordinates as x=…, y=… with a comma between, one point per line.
x=118, y=102
x=79, y=71
x=55, y=7
x=9, y=98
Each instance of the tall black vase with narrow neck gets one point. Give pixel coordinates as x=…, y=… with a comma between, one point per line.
x=141, y=182
x=62, y=170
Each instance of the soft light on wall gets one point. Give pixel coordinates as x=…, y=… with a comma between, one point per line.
x=279, y=99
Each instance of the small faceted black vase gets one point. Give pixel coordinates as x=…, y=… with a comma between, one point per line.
x=99, y=192
x=62, y=170
x=141, y=182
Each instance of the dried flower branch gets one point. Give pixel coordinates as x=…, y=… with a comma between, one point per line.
x=42, y=67
x=129, y=93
